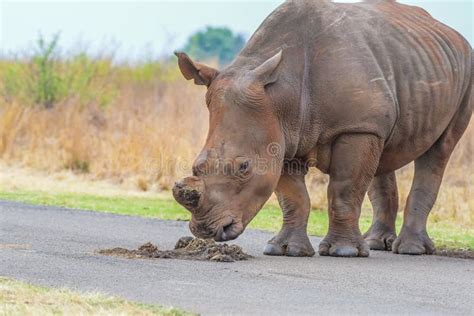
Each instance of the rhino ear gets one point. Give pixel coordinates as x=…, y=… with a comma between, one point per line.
x=202, y=74
x=267, y=72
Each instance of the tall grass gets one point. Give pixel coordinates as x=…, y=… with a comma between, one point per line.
x=148, y=133
x=143, y=122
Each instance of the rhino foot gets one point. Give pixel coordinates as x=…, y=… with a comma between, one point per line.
x=413, y=243
x=380, y=239
x=291, y=244
x=343, y=248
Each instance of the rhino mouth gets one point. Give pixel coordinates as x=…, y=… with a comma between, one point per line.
x=229, y=231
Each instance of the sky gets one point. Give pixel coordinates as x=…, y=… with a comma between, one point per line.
x=152, y=28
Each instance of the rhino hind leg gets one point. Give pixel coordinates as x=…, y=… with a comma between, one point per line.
x=429, y=169
x=354, y=161
x=413, y=238
x=383, y=194
x=292, y=240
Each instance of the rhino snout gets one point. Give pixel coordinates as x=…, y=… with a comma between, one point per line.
x=188, y=192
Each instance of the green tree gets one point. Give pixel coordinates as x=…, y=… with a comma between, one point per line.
x=214, y=42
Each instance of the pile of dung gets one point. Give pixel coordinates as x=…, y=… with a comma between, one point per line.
x=187, y=248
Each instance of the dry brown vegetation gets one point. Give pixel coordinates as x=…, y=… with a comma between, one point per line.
x=149, y=133
x=151, y=130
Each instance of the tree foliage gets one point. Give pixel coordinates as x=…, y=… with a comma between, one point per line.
x=215, y=42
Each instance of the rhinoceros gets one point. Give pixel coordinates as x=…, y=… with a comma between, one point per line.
x=356, y=90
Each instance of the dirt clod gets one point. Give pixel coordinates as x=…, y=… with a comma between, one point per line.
x=183, y=242
x=186, y=248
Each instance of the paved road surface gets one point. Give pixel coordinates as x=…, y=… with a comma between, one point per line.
x=54, y=247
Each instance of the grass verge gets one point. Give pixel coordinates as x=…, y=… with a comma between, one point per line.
x=445, y=235
x=18, y=298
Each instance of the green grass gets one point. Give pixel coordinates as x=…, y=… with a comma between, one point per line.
x=18, y=298
x=444, y=234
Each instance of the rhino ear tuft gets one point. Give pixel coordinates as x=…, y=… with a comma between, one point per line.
x=267, y=72
x=202, y=74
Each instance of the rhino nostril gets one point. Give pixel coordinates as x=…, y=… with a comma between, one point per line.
x=227, y=227
x=226, y=231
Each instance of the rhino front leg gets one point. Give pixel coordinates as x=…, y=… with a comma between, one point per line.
x=292, y=240
x=354, y=160
x=383, y=195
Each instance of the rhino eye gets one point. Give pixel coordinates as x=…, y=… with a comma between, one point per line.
x=244, y=166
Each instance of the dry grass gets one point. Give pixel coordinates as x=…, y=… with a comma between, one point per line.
x=17, y=298
x=149, y=135
x=150, y=132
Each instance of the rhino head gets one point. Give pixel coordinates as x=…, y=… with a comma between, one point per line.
x=240, y=164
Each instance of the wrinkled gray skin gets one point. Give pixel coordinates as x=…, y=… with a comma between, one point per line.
x=356, y=90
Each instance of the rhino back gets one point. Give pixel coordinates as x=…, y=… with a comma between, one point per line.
x=376, y=67
x=427, y=67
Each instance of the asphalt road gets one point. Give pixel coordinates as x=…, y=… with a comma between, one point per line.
x=55, y=247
